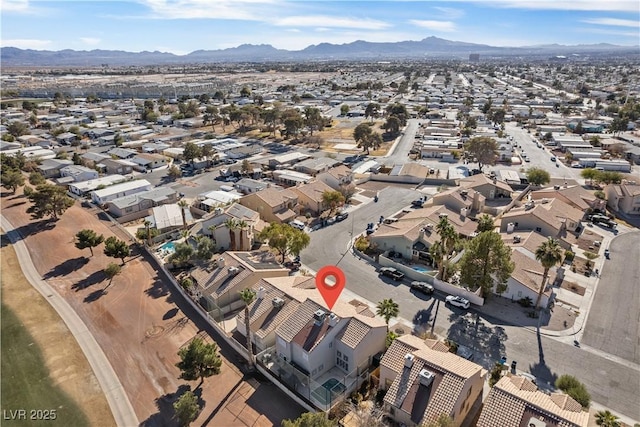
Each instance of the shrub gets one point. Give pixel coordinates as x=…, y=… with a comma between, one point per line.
x=568, y=256
x=361, y=244
x=496, y=373
x=525, y=302
x=574, y=388
x=590, y=255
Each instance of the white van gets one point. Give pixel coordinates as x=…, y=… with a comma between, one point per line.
x=297, y=224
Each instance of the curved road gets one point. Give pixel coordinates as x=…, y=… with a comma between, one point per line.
x=119, y=403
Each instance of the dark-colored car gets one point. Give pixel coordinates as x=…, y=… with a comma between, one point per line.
x=422, y=287
x=392, y=273
x=342, y=216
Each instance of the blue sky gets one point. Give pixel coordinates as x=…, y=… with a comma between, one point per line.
x=182, y=26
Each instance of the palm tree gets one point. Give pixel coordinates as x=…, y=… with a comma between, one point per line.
x=387, y=308
x=448, y=240
x=607, y=419
x=549, y=253
x=183, y=204
x=231, y=224
x=242, y=225
x=147, y=225
x=248, y=295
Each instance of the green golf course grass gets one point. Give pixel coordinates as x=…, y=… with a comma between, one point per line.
x=26, y=384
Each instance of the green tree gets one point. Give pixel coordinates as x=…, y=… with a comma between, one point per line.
x=443, y=420
x=537, y=176
x=448, y=241
x=484, y=149
x=245, y=167
x=205, y=248
x=17, y=128
x=245, y=92
x=392, y=125
x=574, y=388
x=609, y=177
x=12, y=179
x=607, y=419
x=486, y=263
x=241, y=225
x=183, y=252
x=313, y=119
x=549, y=253
x=174, y=172
x=191, y=152
x=619, y=124
x=183, y=205
x=590, y=174
x=344, y=109
x=485, y=223
x=285, y=239
x=199, y=360
x=111, y=271
x=372, y=110
x=116, y=248
x=49, y=199
x=88, y=238
x=247, y=296
x=310, y=419
x=118, y=139
x=293, y=122
x=187, y=408
x=400, y=111
x=332, y=199
x=36, y=178
x=387, y=308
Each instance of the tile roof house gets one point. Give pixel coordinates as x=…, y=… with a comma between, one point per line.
x=459, y=198
x=138, y=205
x=489, y=188
x=549, y=217
x=336, y=177
x=217, y=225
x=424, y=381
x=310, y=197
x=575, y=196
x=219, y=282
x=623, y=198
x=272, y=204
x=515, y=401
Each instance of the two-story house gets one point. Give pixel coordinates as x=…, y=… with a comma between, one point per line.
x=336, y=177
x=310, y=197
x=273, y=205
x=425, y=381
x=235, y=221
x=549, y=217
x=623, y=198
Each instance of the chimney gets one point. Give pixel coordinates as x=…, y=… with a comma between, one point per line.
x=221, y=262
x=261, y=292
x=318, y=317
x=408, y=360
x=333, y=319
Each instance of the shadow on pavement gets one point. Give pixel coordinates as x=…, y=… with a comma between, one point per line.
x=487, y=343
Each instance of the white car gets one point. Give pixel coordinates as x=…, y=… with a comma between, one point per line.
x=457, y=301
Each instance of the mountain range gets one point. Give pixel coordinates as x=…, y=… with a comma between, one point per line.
x=430, y=47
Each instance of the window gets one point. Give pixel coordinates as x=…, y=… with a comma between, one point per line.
x=339, y=353
x=321, y=368
x=315, y=371
x=538, y=229
x=345, y=358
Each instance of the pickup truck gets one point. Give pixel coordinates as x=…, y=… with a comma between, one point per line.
x=392, y=273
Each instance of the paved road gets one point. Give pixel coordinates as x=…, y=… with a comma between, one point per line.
x=613, y=324
x=119, y=403
x=400, y=152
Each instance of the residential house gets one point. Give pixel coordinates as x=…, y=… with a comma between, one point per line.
x=137, y=205
x=91, y=159
x=310, y=197
x=85, y=187
x=148, y=161
x=624, y=198
x=409, y=173
x=113, y=166
x=101, y=197
x=207, y=202
x=576, y=196
x=425, y=381
x=336, y=177
x=50, y=168
x=122, y=153
x=314, y=166
x=489, y=188
x=462, y=200
x=526, y=279
x=553, y=218
x=78, y=173
x=290, y=178
x=285, y=160
x=217, y=226
x=169, y=217
x=248, y=185
x=66, y=138
x=516, y=401
x=219, y=282
x=272, y=204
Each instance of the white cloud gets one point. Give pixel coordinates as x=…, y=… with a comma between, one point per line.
x=325, y=21
x=251, y=10
x=613, y=33
x=613, y=22
x=449, y=12
x=14, y=5
x=444, y=26
x=91, y=41
x=584, y=5
x=25, y=43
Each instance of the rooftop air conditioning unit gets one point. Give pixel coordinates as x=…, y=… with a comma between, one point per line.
x=233, y=270
x=408, y=360
x=429, y=226
x=516, y=239
x=277, y=302
x=261, y=292
x=464, y=192
x=535, y=422
x=443, y=215
x=426, y=377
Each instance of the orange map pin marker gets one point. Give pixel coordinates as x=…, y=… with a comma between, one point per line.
x=330, y=292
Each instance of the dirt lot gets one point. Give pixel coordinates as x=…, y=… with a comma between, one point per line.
x=138, y=324
x=67, y=366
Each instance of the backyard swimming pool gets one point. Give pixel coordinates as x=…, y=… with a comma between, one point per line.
x=329, y=391
x=168, y=247
x=420, y=269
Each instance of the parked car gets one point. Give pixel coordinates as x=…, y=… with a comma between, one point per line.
x=297, y=224
x=342, y=216
x=392, y=273
x=607, y=254
x=422, y=287
x=457, y=301
x=553, y=159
